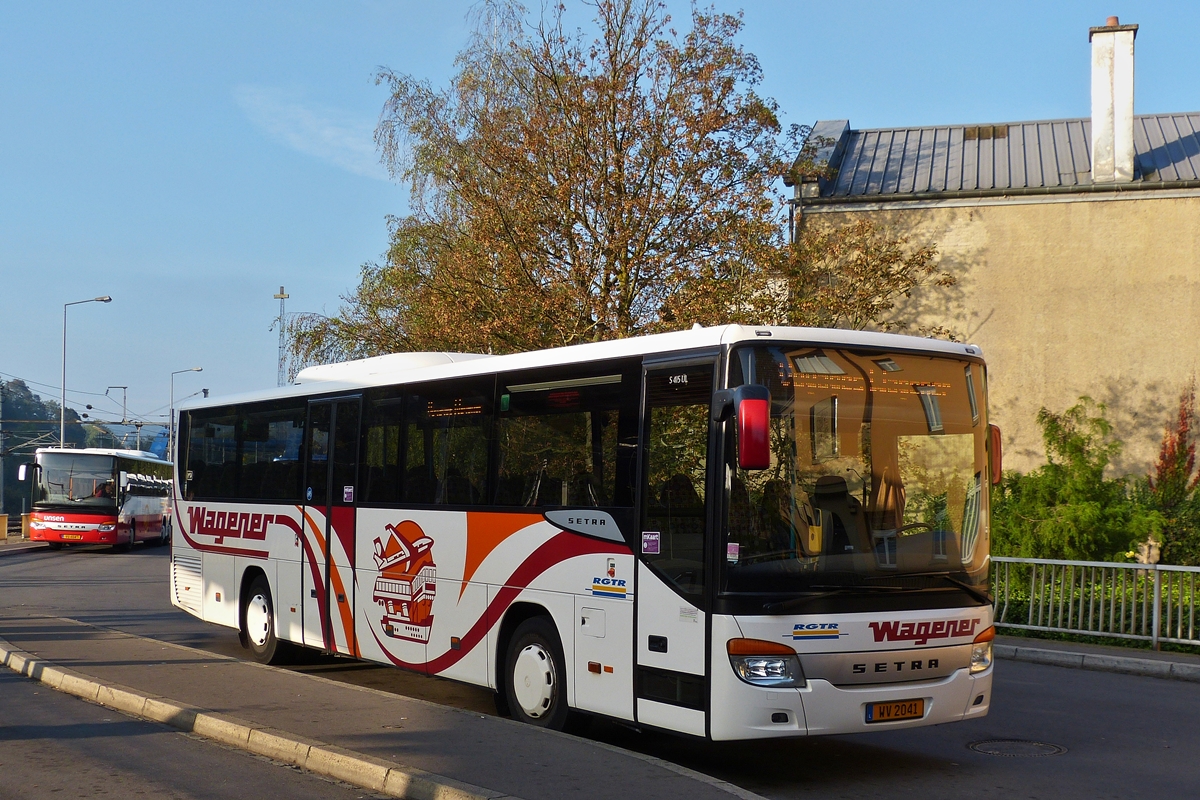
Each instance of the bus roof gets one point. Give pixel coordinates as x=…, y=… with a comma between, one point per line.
x=416, y=367
x=136, y=455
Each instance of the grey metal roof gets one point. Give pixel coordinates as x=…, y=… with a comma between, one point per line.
x=1050, y=155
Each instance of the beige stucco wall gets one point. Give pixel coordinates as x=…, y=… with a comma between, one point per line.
x=1098, y=298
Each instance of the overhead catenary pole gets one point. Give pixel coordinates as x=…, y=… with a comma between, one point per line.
x=62, y=406
x=281, y=371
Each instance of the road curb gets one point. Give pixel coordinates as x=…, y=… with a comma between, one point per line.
x=20, y=547
x=717, y=783
x=324, y=759
x=1101, y=662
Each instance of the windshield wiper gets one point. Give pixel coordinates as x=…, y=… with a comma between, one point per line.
x=784, y=606
x=982, y=597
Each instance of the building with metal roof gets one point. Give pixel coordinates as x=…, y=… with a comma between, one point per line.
x=996, y=159
x=1075, y=244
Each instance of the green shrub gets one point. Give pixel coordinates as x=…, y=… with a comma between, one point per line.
x=1067, y=508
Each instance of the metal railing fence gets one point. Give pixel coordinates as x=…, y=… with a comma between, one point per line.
x=1150, y=602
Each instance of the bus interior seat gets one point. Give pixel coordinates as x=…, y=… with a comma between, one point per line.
x=847, y=525
x=583, y=490
x=419, y=487
x=775, y=518
x=680, y=516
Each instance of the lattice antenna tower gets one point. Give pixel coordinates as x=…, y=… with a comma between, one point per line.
x=281, y=375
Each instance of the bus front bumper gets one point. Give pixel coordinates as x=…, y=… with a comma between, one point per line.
x=741, y=711
x=92, y=535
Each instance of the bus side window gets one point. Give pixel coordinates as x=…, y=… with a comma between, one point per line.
x=557, y=441
x=270, y=442
x=446, y=448
x=382, y=466
x=212, y=453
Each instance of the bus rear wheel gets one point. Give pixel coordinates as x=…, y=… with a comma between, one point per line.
x=535, y=686
x=258, y=624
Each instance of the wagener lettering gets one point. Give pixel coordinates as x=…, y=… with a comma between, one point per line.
x=234, y=524
x=922, y=632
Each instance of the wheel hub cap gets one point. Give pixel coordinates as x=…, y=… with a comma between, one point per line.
x=258, y=620
x=533, y=680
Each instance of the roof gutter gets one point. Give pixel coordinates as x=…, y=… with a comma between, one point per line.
x=1025, y=191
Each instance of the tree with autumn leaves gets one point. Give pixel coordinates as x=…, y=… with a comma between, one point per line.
x=572, y=186
x=1173, y=488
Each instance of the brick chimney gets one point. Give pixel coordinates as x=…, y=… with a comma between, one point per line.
x=1112, y=101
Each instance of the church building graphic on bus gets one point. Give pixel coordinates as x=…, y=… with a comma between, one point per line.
x=406, y=584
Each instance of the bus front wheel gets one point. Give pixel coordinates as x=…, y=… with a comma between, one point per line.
x=258, y=623
x=535, y=685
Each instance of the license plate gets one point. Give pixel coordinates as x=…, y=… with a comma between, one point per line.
x=72, y=535
x=898, y=710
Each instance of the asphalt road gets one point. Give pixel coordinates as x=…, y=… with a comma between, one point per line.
x=55, y=745
x=1113, y=735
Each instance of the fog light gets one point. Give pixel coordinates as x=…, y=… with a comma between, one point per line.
x=981, y=650
x=779, y=717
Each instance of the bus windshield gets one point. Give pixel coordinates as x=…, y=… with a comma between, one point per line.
x=75, y=479
x=878, y=478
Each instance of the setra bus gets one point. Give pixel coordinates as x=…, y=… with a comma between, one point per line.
x=98, y=496
x=729, y=532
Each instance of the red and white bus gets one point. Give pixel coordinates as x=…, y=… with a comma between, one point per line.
x=99, y=496
x=729, y=532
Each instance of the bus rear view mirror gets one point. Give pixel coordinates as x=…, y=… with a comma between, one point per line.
x=752, y=408
x=995, y=452
x=21, y=471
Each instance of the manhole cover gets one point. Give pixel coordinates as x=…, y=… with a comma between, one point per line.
x=1019, y=748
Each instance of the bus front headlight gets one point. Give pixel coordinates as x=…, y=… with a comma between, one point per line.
x=766, y=664
x=107, y=527
x=37, y=524
x=981, y=650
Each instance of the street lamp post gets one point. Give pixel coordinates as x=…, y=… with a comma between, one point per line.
x=171, y=436
x=62, y=409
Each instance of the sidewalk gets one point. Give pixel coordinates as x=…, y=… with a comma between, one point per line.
x=1081, y=655
x=435, y=750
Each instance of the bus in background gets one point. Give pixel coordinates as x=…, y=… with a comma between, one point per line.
x=98, y=496
x=729, y=532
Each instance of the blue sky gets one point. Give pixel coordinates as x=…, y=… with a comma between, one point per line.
x=187, y=160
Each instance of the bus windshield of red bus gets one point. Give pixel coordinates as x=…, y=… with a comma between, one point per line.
x=878, y=476
x=75, y=479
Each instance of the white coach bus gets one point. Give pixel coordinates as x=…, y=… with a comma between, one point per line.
x=727, y=532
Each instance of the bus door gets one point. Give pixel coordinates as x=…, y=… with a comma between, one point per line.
x=671, y=633
x=330, y=496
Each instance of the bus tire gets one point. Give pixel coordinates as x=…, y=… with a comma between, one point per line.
x=258, y=623
x=54, y=545
x=535, y=686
